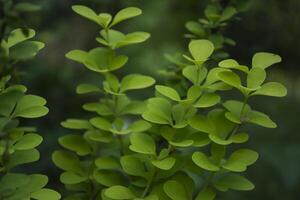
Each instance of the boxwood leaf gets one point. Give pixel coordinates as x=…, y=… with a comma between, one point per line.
x=230, y=78
x=207, y=100
x=119, y=192
x=132, y=165
x=142, y=143
x=87, y=88
x=23, y=157
x=165, y=164
x=204, y=162
x=206, y=194
x=233, y=181
x=25, y=50
x=72, y=178
x=271, y=89
x=107, y=163
x=75, y=143
x=77, y=55
x=125, y=14
x=101, y=123
x=158, y=111
x=30, y=106
x=261, y=119
x=175, y=190
x=17, y=36
x=66, y=161
x=86, y=12
x=28, y=141
x=240, y=159
x=45, y=194
x=133, y=38
x=256, y=77
x=136, y=81
x=264, y=59
x=76, y=124
x=168, y=92
x=201, y=49
x=108, y=178
x=104, y=60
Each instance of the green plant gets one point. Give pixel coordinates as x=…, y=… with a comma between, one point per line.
x=18, y=143
x=218, y=15
x=181, y=150
x=94, y=161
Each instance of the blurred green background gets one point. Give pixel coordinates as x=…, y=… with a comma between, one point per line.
x=269, y=25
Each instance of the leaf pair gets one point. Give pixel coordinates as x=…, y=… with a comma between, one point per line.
x=104, y=19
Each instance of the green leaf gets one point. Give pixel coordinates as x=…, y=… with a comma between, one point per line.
x=165, y=164
x=45, y=194
x=240, y=138
x=201, y=49
x=133, y=38
x=273, y=89
x=228, y=13
x=158, y=111
x=230, y=78
x=30, y=106
x=240, y=159
x=87, y=88
x=86, y=12
x=66, y=161
x=261, y=119
x=125, y=14
x=133, y=165
x=264, y=60
x=25, y=50
x=77, y=55
x=203, y=161
x=201, y=123
x=101, y=123
x=108, y=178
x=195, y=28
x=195, y=74
x=233, y=181
x=107, y=163
x=136, y=81
x=76, y=124
x=23, y=157
x=28, y=141
x=233, y=64
x=75, y=143
x=256, y=77
x=139, y=126
x=17, y=36
x=207, y=100
x=72, y=178
x=168, y=92
x=175, y=190
x=104, y=60
x=104, y=19
x=142, y=143
x=206, y=194
x=119, y=192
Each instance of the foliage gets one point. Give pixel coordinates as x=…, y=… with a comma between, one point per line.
x=18, y=143
x=212, y=26
x=173, y=146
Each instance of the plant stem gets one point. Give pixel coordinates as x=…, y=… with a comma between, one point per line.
x=149, y=184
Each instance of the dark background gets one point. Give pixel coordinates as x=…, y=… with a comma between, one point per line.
x=269, y=25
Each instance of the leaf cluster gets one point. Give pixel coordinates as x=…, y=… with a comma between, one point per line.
x=172, y=146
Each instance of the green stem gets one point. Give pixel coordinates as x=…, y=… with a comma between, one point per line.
x=146, y=190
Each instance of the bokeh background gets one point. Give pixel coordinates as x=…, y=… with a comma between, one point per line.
x=268, y=25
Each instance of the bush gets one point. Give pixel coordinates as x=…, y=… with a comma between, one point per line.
x=174, y=145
